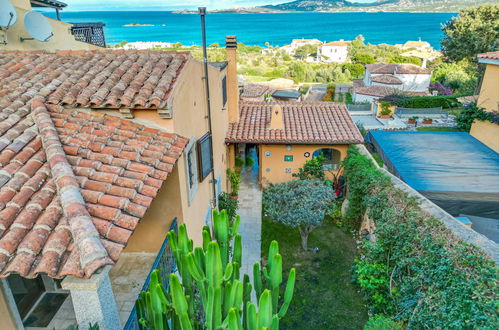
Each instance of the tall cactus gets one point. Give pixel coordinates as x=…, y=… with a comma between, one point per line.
x=210, y=285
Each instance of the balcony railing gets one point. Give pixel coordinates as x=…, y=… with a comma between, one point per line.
x=166, y=264
x=90, y=33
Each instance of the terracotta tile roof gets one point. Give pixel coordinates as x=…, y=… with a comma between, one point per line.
x=382, y=91
x=336, y=43
x=97, y=79
x=356, y=83
x=73, y=185
x=254, y=90
x=396, y=68
x=386, y=79
x=304, y=123
x=490, y=55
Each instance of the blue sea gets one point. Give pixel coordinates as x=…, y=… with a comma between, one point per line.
x=257, y=29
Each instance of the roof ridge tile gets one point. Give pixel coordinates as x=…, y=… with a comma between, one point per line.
x=92, y=254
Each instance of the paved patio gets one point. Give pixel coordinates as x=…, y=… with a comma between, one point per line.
x=127, y=278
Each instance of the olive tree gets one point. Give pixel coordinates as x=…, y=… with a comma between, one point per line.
x=299, y=204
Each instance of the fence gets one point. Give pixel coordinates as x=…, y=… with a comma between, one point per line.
x=90, y=33
x=409, y=112
x=359, y=107
x=166, y=264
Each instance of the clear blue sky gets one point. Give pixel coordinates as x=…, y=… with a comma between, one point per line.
x=77, y=5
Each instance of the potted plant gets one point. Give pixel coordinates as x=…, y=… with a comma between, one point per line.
x=427, y=120
x=413, y=120
x=235, y=180
x=385, y=112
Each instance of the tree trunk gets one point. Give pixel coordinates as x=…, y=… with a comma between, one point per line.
x=304, y=231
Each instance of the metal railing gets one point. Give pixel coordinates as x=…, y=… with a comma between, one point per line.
x=408, y=112
x=359, y=107
x=90, y=33
x=166, y=264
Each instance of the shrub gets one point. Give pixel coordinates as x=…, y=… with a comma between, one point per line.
x=313, y=169
x=385, y=108
x=417, y=270
x=380, y=322
x=440, y=89
x=444, y=101
x=228, y=204
x=249, y=161
x=363, y=58
x=405, y=59
x=235, y=180
x=468, y=115
x=239, y=162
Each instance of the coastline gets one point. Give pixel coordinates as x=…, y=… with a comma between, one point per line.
x=318, y=11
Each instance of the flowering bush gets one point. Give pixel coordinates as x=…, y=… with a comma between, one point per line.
x=441, y=89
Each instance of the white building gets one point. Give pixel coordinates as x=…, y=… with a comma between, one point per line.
x=335, y=51
x=383, y=79
x=296, y=43
x=142, y=45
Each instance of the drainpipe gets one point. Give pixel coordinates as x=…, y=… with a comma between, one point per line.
x=202, y=13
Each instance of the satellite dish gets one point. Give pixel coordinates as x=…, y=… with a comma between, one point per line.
x=8, y=14
x=38, y=26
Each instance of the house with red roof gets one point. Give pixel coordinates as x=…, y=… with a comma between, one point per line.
x=333, y=52
x=283, y=136
x=383, y=79
x=101, y=153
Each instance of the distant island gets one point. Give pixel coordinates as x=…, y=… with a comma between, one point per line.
x=347, y=6
x=135, y=25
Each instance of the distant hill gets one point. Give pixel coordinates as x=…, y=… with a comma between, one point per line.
x=379, y=5
x=344, y=5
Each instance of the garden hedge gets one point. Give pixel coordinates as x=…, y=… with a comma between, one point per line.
x=416, y=271
x=444, y=101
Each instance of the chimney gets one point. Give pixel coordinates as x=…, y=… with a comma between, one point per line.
x=232, y=83
x=276, y=120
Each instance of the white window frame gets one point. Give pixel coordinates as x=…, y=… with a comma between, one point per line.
x=191, y=188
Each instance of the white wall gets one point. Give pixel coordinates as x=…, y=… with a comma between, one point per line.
x=363, y=98
x=415, y=82
x=337, y=54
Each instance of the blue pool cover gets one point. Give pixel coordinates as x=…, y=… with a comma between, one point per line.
x=453, y=169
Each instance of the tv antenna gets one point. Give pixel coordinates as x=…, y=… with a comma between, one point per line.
x=38, y=26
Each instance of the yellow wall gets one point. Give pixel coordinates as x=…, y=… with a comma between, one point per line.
x=151, y=231
x=189, y=111
x=189, y=120
x=277, y=166
x=7, y=321
x=489, y=93
x=487, y=133
x=62, y=39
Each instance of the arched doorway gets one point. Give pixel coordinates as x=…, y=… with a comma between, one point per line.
x=332, y=158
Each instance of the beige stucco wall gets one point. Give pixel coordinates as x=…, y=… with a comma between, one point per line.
x=151, y=231
x=189, y=111
x=62, y=39
x=273, y=167
x=489, y=93
x=7, y=321
x=487, y=133
x=188, y=120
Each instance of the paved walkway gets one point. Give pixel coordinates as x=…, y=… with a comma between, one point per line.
x=250, y=210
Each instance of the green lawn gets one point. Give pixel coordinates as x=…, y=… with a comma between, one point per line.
x=437, y=129
x=325, y=297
